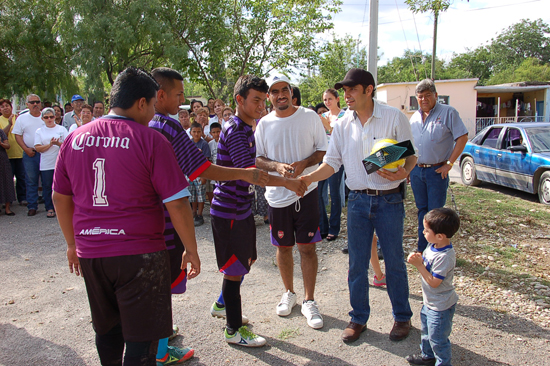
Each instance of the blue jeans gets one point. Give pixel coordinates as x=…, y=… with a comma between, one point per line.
x=32, y=172
x=430, y=191
x=18, y=171
x=385, y=214
x=47, y=182
x=331, y=226
x=436, y=329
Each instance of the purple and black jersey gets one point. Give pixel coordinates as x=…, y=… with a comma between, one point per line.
x=192, y=162
x=236, y=149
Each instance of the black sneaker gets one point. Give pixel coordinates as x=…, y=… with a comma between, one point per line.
x=417, y=359
x=199, y=220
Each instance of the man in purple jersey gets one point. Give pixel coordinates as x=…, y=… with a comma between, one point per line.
x=191, y=161
x=109, y=186
x=233, y=224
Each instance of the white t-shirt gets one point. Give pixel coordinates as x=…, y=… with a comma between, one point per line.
x=26, y=126
x=288, y=140
x=43, y=136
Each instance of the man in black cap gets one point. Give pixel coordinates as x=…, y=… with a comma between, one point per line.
x=375, y=200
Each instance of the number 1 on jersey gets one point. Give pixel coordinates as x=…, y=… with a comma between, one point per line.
x=99, y=184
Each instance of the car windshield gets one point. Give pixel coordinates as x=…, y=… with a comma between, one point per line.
x=540, y=138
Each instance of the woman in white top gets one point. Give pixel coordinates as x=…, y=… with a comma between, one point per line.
x=86, y=115
x=330, y=228
x=47, y=141
x=219, y=105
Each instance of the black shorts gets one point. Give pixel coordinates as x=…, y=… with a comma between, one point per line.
x=133, y=291
x=297, y=223
x=235, y=242
x=175, y=247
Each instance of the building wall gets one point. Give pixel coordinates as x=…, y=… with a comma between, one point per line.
x=462, y=96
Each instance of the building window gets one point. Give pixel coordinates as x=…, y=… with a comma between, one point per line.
x=413, y=103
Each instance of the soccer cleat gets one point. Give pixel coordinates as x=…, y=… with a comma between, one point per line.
x=219, y=312
x=310, y=310
x=244, y=337
x=175, y=331
x=288, y=301
x=379, y=282
x=176, y=355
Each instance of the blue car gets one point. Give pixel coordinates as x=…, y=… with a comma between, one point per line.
x=515, y=155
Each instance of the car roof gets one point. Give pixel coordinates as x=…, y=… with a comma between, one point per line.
x=522, y=124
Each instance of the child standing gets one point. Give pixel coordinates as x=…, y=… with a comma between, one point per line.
x=215, y=130
x=198, y=186
x=436, y=265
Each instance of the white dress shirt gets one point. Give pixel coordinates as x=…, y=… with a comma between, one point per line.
x=350, y=143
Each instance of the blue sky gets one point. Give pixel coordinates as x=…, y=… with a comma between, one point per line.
x=464, y=25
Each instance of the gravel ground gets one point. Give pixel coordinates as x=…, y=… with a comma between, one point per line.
x=45, y=319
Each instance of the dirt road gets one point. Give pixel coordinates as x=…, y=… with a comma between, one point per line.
x=45, y=319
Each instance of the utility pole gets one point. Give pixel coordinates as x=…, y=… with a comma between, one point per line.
x=436, y=14
x=373, y=40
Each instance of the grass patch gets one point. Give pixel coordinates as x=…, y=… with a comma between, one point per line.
x=288, y=333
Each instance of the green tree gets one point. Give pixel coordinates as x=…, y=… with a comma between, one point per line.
x=336, y=57
x=34, y=59
x=530, y=69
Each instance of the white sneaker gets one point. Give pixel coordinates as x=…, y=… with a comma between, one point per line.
x=310, y=310
x=288, y=301
x=244, y=337
x=219, y=312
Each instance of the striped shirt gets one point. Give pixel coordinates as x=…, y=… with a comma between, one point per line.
x=351, y=142
x=190, y=159
x=236, y=149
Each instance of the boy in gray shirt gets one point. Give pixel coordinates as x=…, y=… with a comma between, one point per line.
x=436, y=265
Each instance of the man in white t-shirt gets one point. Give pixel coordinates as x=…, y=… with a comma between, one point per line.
x=24, y=130
x=291, y=141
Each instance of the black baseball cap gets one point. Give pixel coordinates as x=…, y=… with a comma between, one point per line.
x=356, y=77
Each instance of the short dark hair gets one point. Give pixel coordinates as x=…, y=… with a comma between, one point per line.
x=56, y=106
x=443, y=221
x=195, y=125
x=215, y=125
x=247, y=82
x=209, y=99
x=5, y=100
x=131, y=85
x=67, y=104
x=165, y=77
x=319, y=106
x=88, y=107
x=196, y=101
x=99, y=101
x=297, y=95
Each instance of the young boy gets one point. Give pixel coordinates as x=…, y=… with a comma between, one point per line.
x=215, y=130
x=198, y=186
x=436, y=265
x=233, y=224
x=109, y=186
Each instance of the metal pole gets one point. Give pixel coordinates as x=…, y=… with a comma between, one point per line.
x=498, y=111
x=373, y=40
x=435, y=42
x=517, y=105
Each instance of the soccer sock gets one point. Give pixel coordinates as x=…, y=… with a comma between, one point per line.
x=110, y=346
x=233, y=309
x=220, y=301
x=140, y=353
x=162, y=348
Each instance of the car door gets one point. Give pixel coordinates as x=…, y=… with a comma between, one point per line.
x=513, y=167
x=486, y=153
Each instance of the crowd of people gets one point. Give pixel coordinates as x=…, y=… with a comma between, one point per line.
x=122, y=217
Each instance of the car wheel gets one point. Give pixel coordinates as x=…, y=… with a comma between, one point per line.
x=544, y=188
x=469, y=177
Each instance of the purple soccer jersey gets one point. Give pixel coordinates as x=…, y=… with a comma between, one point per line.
x=116, y=171
x=236, y=149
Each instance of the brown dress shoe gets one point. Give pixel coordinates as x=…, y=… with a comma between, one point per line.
x=353, y=331
x=400, y=330
x=31, y=212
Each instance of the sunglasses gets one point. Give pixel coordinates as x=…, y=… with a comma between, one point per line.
x=48, y=117
x=34, y=102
